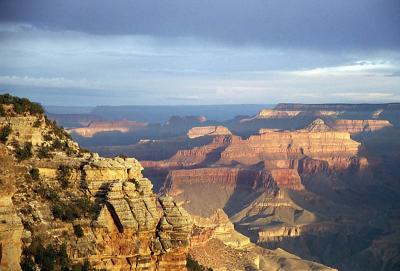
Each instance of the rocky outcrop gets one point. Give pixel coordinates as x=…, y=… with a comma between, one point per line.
x=271, y=113
x=290, y=145
x=96, y=127
x=336, y=107
x=287, y=178
x=99, y=210
x=216, y=244
x=317, y=125
x=145, y=233
x=11, y=229
x=218, y=185
x=98, y=170
x=219, y=256
x=206, y=154
x=23, y=128
x=359, y=126
x=217, y=226
x=275, y=234
x=208, y=131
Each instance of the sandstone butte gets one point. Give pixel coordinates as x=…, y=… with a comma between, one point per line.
x=283, y=155
x=96, y=127
x=45, y=198
x=208, y=131
x=341, y=125
x=359, y=126
x=340, y=117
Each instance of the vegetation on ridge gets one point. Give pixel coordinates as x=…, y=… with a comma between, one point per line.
x=20, y=105
x=193, y=265
x=25, y=152
x=4, y=133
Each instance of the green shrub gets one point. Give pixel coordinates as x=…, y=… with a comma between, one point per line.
x=34, y=173
x=48, y=193
x=86, y=266
x=47, y=137
x=65, y=211
x=57, y=130
x=83, y=150
x=21, y=105
x=57, y=144
x=27, y=264
x=2, y=111
x=123, y=156
x=78, y=231
x=37, y=123
x=63, y=175
x=25, y=152
x=48, y=257
x=44, y=152
x=4, y=133
x=87, y=207
x=193, y=265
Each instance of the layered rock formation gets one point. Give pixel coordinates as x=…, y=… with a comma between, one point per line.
x=11, y=229
x=95, y=209
x=208, y=131
x=216, y=244
x=359, y=126
x=253, y=179
x=95, y=127
x=206, y=154
x=143, y=232
x=271, y=113
x=290, y=145
x=336, y=107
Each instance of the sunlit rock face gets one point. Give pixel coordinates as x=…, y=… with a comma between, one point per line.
x=11, y=229
x=96, y=127
x=207, y=131
x=359, y=126
x=101, y=210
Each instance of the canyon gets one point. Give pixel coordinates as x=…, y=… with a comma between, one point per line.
x=296, y=187
x=86, y=211
x=294, y=183
x=95, y=211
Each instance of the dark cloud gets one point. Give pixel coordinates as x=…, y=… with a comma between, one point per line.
x=321, y=24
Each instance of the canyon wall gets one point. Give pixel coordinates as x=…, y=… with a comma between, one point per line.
x=99, y=210
x=95, y=127
x=359, y=126
x=208, y=131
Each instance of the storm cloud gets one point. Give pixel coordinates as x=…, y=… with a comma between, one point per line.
x=363, y=24
x=202, y=52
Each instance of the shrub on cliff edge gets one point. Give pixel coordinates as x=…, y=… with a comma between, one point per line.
x=21, y=105
x=25, y=152
x=4, y=133
x=63, y=175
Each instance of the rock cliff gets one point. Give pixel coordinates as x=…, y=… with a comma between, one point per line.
x=207, y=131
x=11, y=229
x=359, y=126
x=95, y=127
x=79, y=208
x=216, y=244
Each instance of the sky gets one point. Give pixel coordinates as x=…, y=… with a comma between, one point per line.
x=148, y=52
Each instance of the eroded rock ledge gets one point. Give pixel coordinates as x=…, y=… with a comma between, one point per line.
x=128, y=228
